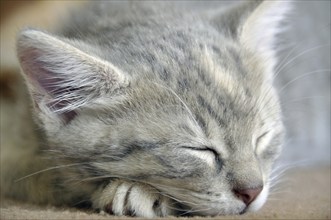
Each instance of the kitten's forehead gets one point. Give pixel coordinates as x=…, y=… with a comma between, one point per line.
x=213, y=85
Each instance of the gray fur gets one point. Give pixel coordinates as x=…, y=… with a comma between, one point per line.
x=137, y=101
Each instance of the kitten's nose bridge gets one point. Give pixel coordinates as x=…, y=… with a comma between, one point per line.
x=246, y=181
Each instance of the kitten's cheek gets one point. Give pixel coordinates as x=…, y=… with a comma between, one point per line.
x=260, y=200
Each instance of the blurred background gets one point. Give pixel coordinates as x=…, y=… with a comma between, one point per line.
x=303, y=73
x=304, y=83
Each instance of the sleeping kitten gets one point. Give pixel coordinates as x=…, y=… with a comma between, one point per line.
x=153, y=110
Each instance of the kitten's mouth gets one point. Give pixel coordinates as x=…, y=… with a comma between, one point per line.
x=182, y=210
x=243, y=211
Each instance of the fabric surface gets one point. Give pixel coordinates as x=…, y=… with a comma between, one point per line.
x=301, y=194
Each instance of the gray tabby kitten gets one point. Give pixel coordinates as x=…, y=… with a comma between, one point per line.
x=154, y=110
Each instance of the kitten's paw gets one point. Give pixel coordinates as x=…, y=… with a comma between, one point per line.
x=131, y=199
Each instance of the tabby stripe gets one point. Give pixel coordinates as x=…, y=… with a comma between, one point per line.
x=210, y=110
x=204, y=78
x=126, y=149
x=202, y=123
x=237, y=60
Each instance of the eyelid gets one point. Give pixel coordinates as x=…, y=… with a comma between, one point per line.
x=217, y=159
x=260, y=137
x=263, y=141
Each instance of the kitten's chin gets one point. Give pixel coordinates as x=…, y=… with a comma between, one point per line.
x=213, y=210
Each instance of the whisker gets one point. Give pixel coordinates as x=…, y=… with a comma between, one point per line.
x=181, y=101
x=303, y=99
x=282, y=62
x=301, y=76
x=48, y=169
x=297, y=56
x=194, y=211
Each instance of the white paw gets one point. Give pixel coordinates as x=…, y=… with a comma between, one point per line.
x=131, y=199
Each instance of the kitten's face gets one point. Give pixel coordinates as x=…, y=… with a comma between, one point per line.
x=207, y=138
x=160, y=139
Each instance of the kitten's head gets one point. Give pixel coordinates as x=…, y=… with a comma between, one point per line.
x=206, y=136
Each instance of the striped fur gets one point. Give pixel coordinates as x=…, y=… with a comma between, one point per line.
x=156, y=112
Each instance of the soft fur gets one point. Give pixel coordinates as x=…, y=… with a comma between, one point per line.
x=152, y=114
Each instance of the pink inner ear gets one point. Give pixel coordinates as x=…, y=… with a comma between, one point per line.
x=37, y=75
x=46, y=82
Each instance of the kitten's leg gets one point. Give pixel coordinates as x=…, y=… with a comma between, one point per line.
x=132, y=199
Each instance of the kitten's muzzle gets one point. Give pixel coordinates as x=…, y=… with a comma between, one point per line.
x=248, y=195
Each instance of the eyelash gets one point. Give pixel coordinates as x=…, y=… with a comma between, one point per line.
x=201, y=149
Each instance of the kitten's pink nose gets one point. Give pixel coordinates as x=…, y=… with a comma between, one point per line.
x=248, y=195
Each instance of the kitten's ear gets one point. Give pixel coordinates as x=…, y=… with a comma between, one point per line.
x=259, y=30
x=255, y=23
x=62, y=78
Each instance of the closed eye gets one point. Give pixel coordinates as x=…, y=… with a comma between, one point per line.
x=209, y=155
x=259, y=139
x=263, y=141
